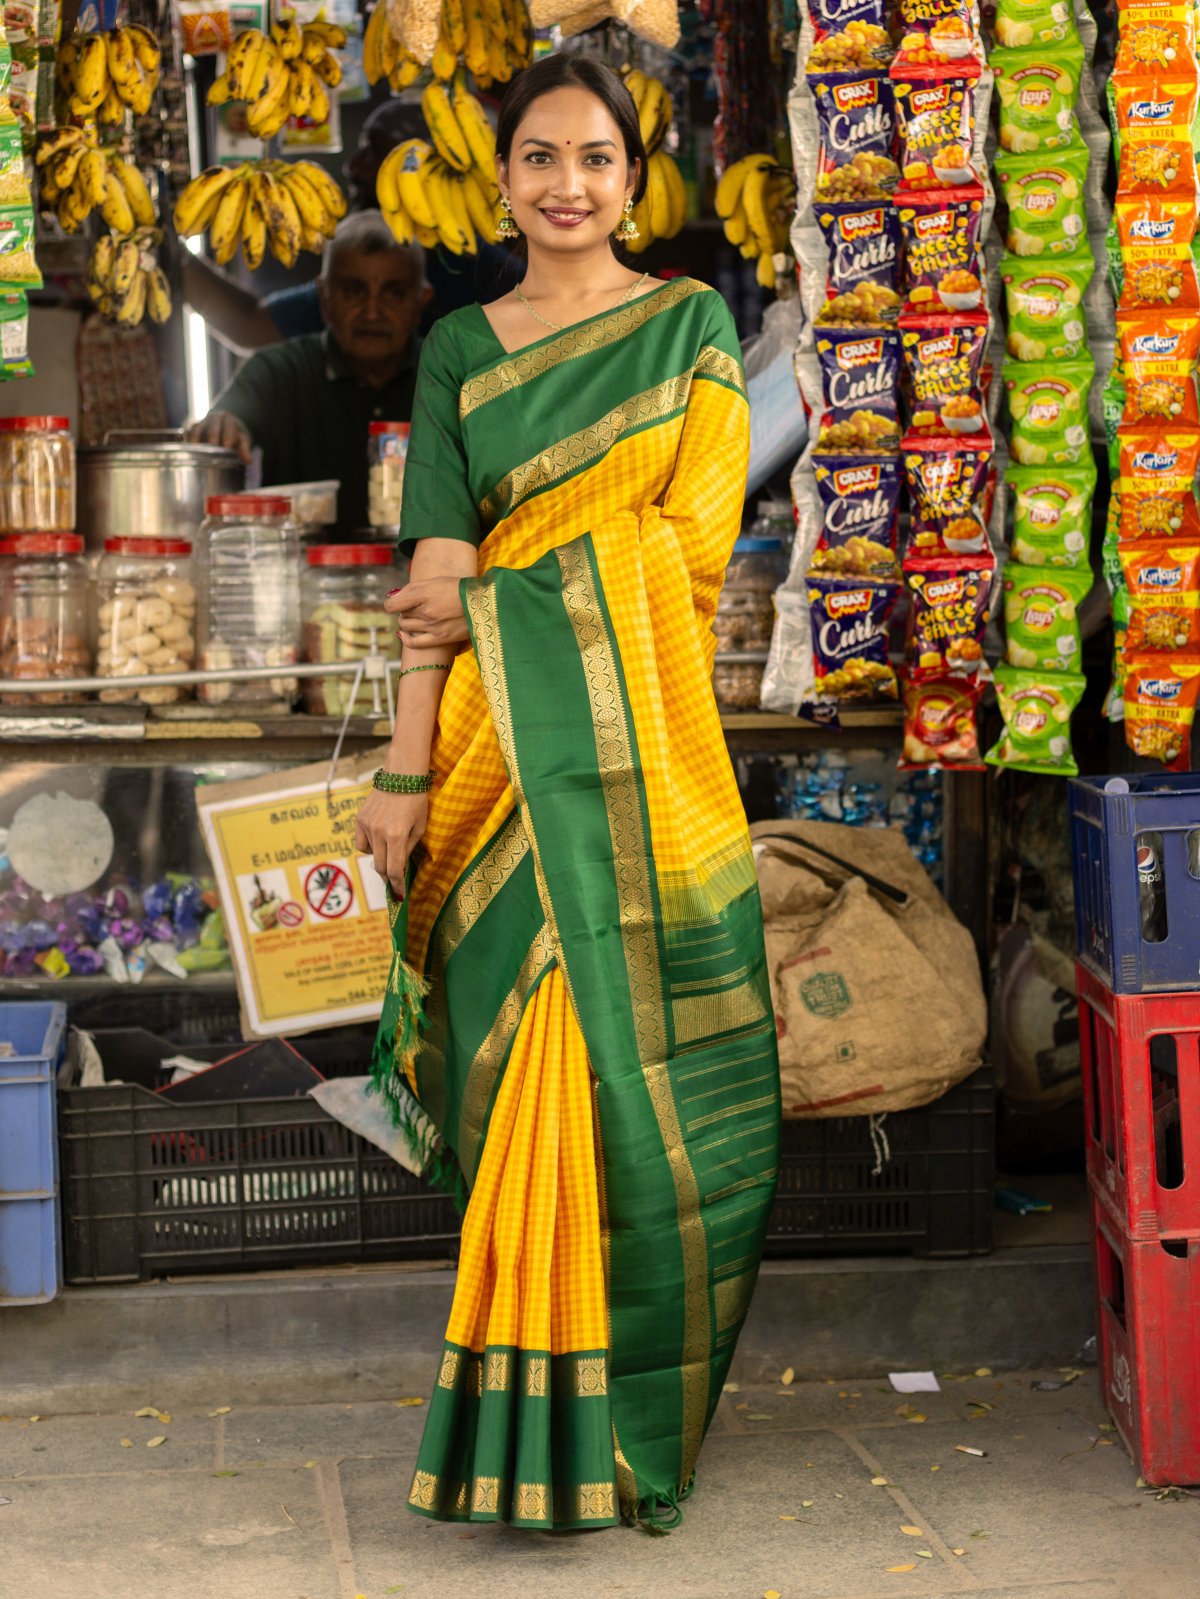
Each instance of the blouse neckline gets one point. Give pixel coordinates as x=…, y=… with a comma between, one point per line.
x=570, y=327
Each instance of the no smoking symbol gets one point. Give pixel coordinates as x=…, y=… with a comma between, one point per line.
x=328, y=890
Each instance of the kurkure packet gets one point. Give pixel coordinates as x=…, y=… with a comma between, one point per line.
x=1036, y=707
x=1052, y=513
x=1048, y=403
x=1160, y=707
x=1154, y=265
x=1047, y=212
x=1157, y=481
x=1154, y=36
x=1041, y=620
x=1045, y=305
x=1021, y=23
x=1158, y=354
x=1037, y=88
x=1163, y=581
x=1153, y=132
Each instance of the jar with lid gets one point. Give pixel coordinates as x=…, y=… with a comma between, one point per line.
x=387, y=448
x=774, y=519
x=745, y=619
x=342, y=594
x=43, y=613
x=248, y=600
x=37, y=475
x=145, y=600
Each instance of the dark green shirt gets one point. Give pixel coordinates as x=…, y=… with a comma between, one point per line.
x=309, y=414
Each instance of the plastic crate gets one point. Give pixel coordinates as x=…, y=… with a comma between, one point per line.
x=1148, y=1343
x=151, y=1187
x=30, y=1257
x=1141, y=1096
x=934, y=1194
x=1108, y=923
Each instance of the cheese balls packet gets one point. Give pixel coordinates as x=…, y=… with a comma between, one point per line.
x=860, y=372
x=856, y=120
x=1046, y=319
x=1021, y=23
x=1041, y=620
x=1162, y=579
x=935, y=122
x=850, y=636
x=947, y=485
x=1153, y=264
x=1160, y=708
x=950, y=606
x=1052, y=513
x=1153, y=131
x=940, y=730
x=1157, y=482
x=854, y=47
x=863, y=245
x=1037, y=88
x=1158, y=355
x=1047, y=208
x=941, y=233
x=860, y=516
x=1154, y=37
x=1048, y=403
x=838, y=17
x=1036, y=708
x=943, y=356
x=939, y=32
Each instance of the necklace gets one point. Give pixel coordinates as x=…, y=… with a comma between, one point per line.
x=558, y=326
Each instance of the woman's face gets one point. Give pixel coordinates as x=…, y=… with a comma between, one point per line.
x=567, y=177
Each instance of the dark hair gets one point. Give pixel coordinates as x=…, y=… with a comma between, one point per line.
x=565, y=71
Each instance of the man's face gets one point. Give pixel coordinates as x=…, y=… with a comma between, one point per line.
x=372, y=303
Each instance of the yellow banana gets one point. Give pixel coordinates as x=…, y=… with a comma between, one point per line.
x=125, y=267
x=66, y=61
x=373, y=67
x=312, y=211
x=69, y=219
x=733, y=180
x=401, y=224
x=387, y=183
x=68, y=165
x=226, y=230
x=318, y=112
x=132, y=307
x=391, y=51
x=269, y=111
x=52, y=144
x=407, y=71
x=331, y=34
x=480, y=208
x=303, y=83
x=445, y=187
x=197, y=204
x=754, y=203
x=736, y=226
x=475, y=45
x=426, y=237
x=122, y=62
x=675, y=192
x=448, y=137
x=287, y=38
x=498, y=63
x=115, y=207
x=411, y=158
x=91, y=72
x=112, y=109
x=258, y=76
x=311, y=239
x=100, y=266
x=313, y=47
x=240, y=61
x=254, y=233
x=332, y=197
x=655, y=113
x=329, y=69
x=659, y=198
x=455, y=23
x=158, y=295
x=218, y=91
x=475, y=128
x=141, y=93
x=283, y=220
x=145, y=46
x=136, y=192
x=92, y=177
x=445, y=59
x=766, y=270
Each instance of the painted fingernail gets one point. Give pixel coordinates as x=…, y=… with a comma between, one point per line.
x=390, y=592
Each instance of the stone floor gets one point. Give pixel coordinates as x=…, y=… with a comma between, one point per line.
x=306, y=1501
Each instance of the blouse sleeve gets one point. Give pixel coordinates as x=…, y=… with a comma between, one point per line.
x=437, y=497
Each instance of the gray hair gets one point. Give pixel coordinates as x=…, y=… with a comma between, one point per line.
x=367, y=233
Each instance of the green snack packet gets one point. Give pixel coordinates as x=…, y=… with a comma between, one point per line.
x=18, y=264
x=1037, y=718
x=1045, y=196
x=23, y=92
x=1048, y=403
x=1112, y=405
x=1041, y=620
x=1037, y=89
x=1020, y=23
x=14, y=336
x=1046, y=320
x=14, y=183
x=1052, y=513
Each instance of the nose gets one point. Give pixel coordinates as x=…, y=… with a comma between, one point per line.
x=568, y=181
x=374, y=304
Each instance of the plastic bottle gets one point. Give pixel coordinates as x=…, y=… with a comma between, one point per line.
x=1152, y=890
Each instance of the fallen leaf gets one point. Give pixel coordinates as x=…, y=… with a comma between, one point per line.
x=1106, y=1426
x=789, y=1518
x=153, y=1443
x=958, y=1551
x=404, y=1404
x=224, y=1473
x=1105, y=1443
x=788, y=1377
x=126, y=1443
x=732, y=1388
x=35, y=1418
x=759, y=1415
x=981, y=1535
x=935, y=1468
x=912, y=1532
x=223, y=1411
x=839, y=1496
x=771, y=1593
x=808, y=1465
x=152, y=1413
x=806, y=1504
x=917, y=1417
x=842, y=1394
x=309, y=1464
x=983, y=1371
x=925, y=1554
x=911, y=1567
x=879, y=1482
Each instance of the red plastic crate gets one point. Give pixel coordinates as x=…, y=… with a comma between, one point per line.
x=1148, y=1342
x=1141, y=1093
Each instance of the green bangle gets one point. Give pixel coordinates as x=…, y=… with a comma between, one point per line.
x=402, y=782
x=434, y=666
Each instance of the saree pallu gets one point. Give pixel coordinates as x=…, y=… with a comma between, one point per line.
x=599, y=1056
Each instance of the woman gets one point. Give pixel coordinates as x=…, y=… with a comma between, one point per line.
x=600, y=1050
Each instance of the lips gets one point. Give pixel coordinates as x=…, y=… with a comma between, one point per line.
x=565, y=217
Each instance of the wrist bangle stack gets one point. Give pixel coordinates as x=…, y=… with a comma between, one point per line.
x=434, y=666
x=402, y=782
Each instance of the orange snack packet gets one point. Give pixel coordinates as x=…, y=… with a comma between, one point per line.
x=1158, y=270
x=1154, y=37
x=1160, y=707
x=1157, y=482
x=1159, y=351
x=1154, y=118
x=1163, y=580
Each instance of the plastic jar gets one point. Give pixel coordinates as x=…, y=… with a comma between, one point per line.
x=745, y=619
x=248, y=599
x=145, y=616
x=37, y=475
x=387, y=449
x=342, y=593
x=43, y=612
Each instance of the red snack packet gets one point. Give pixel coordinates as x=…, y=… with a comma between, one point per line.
x=941, y=234
x=951, y=604
x=1158, y=269
x=940, y=727
x=948, y=487
x=935, y=124
x=943, y=359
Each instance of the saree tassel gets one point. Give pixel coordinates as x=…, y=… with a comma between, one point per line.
x=658, y=1516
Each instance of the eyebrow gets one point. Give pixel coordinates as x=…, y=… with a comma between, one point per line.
x=592, y=144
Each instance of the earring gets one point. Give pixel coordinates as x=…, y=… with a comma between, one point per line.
x=627, y=229
x=506, y=227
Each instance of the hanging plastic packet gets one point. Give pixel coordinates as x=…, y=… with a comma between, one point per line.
x=935, y=122
x=1036, y=708
x=850, y=636
x=1052, y=513
x=1045, y=305
x=1157, y=482
x=1158, y=354
x=18, y=264
x=940, y=728
x=1163, y=583
x=856, y=124
x=1155, y=37
x=1155, y=265
x=1041, y=616
x=14, y=183
x=23, y=89
x=1153, y=132
x=939, y=32
x=947, y=487
x=942, y=259
x=863, y=243
x=1160, y=707
x=860, y=516
x=1048, y=403
x=1037, y=88
x=206, y=26
x=14, y=335
x=839, y=17
x=950, y=608
x=860, y=374
x=1020, y=23
x=1047, y=208
x=857, y=46
x=943, y=356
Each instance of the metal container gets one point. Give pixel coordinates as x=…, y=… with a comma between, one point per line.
x=150, y=485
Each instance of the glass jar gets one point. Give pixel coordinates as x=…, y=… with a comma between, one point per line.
x=745, y=619
x=342, y=593
x=248, y=612
x=387, y=448
x=37, y=475
x=145, y=616
x=774, y=519
x=43, y=613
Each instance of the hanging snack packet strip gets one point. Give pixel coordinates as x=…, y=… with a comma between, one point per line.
x=850, y=636
x=1037, y=89
x=1047, y=213
x=1021, y=23
x=860, y=505
x=1153, y=129
x=947, y=486
x=1041, y=620
x=1045, y=305
x=943, y=357
x=1052, y=515
x=1157, y=482
x=935, y=123
x=1160, y=708
x=1156, y=265
x=18, y=264
x=1163, y=582
x=1154, y=37
x=859, y=44
x=860, y=373
x=942, y=260
x=841, y=18
x=1158, y=354
x=940, y=31
x=1048, y=403
x=856, y=123
x=940, y=725
x=1036, y=708
x=14, y=336
x=950, y=608
x=863, y=243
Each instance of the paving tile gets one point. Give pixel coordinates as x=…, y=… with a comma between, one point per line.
x=61, y=1445
x=322, y=1432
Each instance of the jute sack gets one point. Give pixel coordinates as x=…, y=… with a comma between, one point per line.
x=878, y=1000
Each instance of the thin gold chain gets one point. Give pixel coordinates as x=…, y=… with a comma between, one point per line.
x=558, y=326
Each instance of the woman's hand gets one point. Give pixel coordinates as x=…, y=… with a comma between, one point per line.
x=429, y=612
x=389, y=828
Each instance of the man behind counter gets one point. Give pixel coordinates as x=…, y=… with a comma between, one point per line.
x=306, y=403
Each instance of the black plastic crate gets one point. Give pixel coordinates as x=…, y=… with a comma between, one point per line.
x=150, y=1187
x=933, y=1196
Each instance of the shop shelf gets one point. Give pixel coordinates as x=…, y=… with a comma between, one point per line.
x=933, y=1195
x=1141, y=1093
x=1148, y=1343
x=1104, y=834
x=30, y=1259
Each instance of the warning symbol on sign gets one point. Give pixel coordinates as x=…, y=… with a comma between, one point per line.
x=290, y=914
x=329, y=891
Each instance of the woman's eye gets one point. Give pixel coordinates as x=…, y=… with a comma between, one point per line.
x=537, y=156
x=603, y=160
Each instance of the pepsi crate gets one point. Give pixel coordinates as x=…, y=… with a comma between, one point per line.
x=1105, y=828
x=32, y=1036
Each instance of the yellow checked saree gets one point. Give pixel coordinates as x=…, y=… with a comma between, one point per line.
x=599, y=1057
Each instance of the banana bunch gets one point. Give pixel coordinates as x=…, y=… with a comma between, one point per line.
x=286, y=73
x=102, y=74
x=78, y=178
x=493, y=39
x=755, y=199
x=125, y=280
x=424, y=198
x=383, y=54
x=662, y=210
x=287, y=205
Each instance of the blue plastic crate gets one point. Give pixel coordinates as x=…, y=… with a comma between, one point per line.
x=1108, y=920
x=30, y=1254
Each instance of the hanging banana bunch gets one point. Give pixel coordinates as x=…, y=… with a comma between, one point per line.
x=125, y=281
x=77, y=178
x=286, y=73
x=384, y=57
x=286, y=206
x=662, y=210
x=102, y=75
x=755, y=199
x=493, y=39
x=444, y=192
